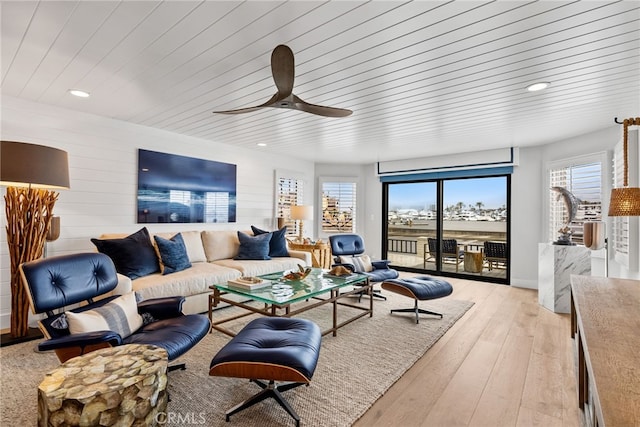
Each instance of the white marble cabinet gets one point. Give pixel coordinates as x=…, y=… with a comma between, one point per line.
x=556, y=264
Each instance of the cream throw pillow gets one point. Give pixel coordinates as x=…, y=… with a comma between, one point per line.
x=120, y=315
x=361, y=264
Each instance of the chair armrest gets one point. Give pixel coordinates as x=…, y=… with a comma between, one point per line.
x=305, y=256
x=162, y=308
x=381, y=264
x=81, y=340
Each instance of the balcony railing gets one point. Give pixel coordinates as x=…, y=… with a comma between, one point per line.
x=402, y=246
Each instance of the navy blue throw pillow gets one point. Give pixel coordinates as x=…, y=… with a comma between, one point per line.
x=253, y=247
x=133, y=255
x=278, y=243
x=173, y=254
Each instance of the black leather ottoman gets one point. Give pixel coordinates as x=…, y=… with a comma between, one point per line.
x=419, y=288
x=272, y=349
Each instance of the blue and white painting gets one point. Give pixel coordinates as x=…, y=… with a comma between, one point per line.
x=181, y=189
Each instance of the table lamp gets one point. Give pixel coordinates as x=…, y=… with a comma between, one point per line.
x=625, y=201
x=301, y=213
x=29, y=171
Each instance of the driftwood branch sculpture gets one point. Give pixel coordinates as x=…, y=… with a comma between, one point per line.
x=29, y=212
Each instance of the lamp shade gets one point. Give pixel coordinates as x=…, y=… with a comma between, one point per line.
x=625, y=201
x=32, y=165
x=304, y=213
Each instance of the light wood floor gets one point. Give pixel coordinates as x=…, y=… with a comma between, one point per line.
x=506, y=362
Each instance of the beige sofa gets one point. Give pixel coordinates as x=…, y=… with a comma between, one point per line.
x=211, y=255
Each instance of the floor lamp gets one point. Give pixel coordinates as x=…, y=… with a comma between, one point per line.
x=29, y=171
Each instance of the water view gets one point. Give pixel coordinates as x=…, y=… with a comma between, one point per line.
x=474, y=221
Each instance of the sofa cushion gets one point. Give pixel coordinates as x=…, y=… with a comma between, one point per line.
x=256, y=268
x=220, y=244
x=193, y=243
x=173, y=254
x=120, y=316
x=133, y=256
x=192, y=281
x=253, y=247
x=278, y=243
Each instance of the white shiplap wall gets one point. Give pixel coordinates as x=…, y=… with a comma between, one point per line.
x=103, y=173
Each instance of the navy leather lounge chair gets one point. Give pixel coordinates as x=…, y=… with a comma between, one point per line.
x=344, y=246
x=62, y=281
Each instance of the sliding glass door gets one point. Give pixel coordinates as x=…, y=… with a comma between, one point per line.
x=412, y=214
x=456, y=226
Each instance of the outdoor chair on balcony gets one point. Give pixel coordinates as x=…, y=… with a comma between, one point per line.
x=450, y=252
x=495, y=255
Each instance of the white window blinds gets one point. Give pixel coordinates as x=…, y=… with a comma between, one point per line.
x=338, y=207
x=584, y=180
x=289, y=193
x=620, y=226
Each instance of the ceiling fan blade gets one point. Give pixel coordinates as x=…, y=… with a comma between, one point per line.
x=274, y=99
x=320, y=110
x=283, y=69
x=283, y=72
x=240, y=110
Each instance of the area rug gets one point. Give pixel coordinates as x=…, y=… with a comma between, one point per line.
x=355, y=368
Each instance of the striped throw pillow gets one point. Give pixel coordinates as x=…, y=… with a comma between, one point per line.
x=361, y=264
x=120, y=315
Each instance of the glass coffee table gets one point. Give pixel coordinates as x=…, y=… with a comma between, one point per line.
x=288, y=298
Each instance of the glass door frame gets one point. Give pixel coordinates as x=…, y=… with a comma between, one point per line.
x=440, y=229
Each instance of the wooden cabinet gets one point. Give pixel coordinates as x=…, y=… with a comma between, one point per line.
x=605, y=324
x=320, y=253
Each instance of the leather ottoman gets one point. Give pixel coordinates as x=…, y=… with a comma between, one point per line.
x=420, y=288
x=272, y=349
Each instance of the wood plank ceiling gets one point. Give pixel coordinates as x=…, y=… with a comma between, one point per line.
x=423, y=78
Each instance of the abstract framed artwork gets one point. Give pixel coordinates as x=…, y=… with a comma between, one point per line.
x=180, y=189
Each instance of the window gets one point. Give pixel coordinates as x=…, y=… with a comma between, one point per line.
x=338, y=206
x=449, y=226
x=583, y=178
x=289, y=192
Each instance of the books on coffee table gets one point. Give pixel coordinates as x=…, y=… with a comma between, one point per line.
x=249, y=283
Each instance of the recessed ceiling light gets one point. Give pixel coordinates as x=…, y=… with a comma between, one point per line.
x=538, y=86
x=261, y=144
x=79, y=93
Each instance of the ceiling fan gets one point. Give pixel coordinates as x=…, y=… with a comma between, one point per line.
x=282, y=69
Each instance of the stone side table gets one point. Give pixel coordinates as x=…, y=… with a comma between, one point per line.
x=123, y=385
x=556, y=264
